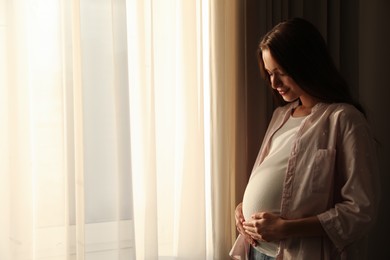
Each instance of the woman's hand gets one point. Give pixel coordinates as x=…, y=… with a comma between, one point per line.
x=265, y=226
x=239, y=224
x=269, y=227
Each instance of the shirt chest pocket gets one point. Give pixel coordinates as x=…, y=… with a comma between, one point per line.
x=323, y=170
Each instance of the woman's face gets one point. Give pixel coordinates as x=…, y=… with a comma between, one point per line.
x=280, y=81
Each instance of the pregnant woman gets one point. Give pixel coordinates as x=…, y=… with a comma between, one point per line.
x=313, y=191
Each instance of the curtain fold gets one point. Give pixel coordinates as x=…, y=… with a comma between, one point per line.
x=228, y=118
x=74, y=125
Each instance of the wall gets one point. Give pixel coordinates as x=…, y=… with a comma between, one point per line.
x=374, y=92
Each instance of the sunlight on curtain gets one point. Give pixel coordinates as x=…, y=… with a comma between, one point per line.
x=185, y=73
x=118, y=134
x=65, y=168
x=166, y=72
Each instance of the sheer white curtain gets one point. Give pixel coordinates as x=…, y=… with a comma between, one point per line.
x=65, y=167
x=168, y=128
x=119, y=135
x=187, y=90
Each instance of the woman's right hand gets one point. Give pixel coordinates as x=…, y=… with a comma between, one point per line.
x=239, y=224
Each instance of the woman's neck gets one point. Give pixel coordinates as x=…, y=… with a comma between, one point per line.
x=305, y=106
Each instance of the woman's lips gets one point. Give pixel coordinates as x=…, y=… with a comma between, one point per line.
x=282, y=92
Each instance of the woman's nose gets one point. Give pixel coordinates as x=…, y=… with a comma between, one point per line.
x=275, y=81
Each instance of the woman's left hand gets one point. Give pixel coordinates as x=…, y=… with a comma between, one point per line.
x=265, y=226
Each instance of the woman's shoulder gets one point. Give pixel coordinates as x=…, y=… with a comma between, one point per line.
x=344, y=109
x=345, y=113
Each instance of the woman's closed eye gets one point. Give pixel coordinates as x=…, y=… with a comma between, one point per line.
x=276, y=73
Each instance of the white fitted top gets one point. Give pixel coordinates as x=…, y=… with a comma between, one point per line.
x=264, y=189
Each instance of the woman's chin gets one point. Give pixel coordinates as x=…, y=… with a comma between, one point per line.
x=289, y=98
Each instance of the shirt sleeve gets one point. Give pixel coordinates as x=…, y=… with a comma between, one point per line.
x=356, y=182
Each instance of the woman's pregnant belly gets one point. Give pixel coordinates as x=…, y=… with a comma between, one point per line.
x=264, y=193
x=264, y=190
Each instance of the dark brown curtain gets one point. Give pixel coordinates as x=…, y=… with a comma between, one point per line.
x=357, y=33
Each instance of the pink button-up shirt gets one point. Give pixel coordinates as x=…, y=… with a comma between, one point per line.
x=332, y=173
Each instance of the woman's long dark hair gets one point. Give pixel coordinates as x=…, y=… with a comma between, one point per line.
x=301, y=51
